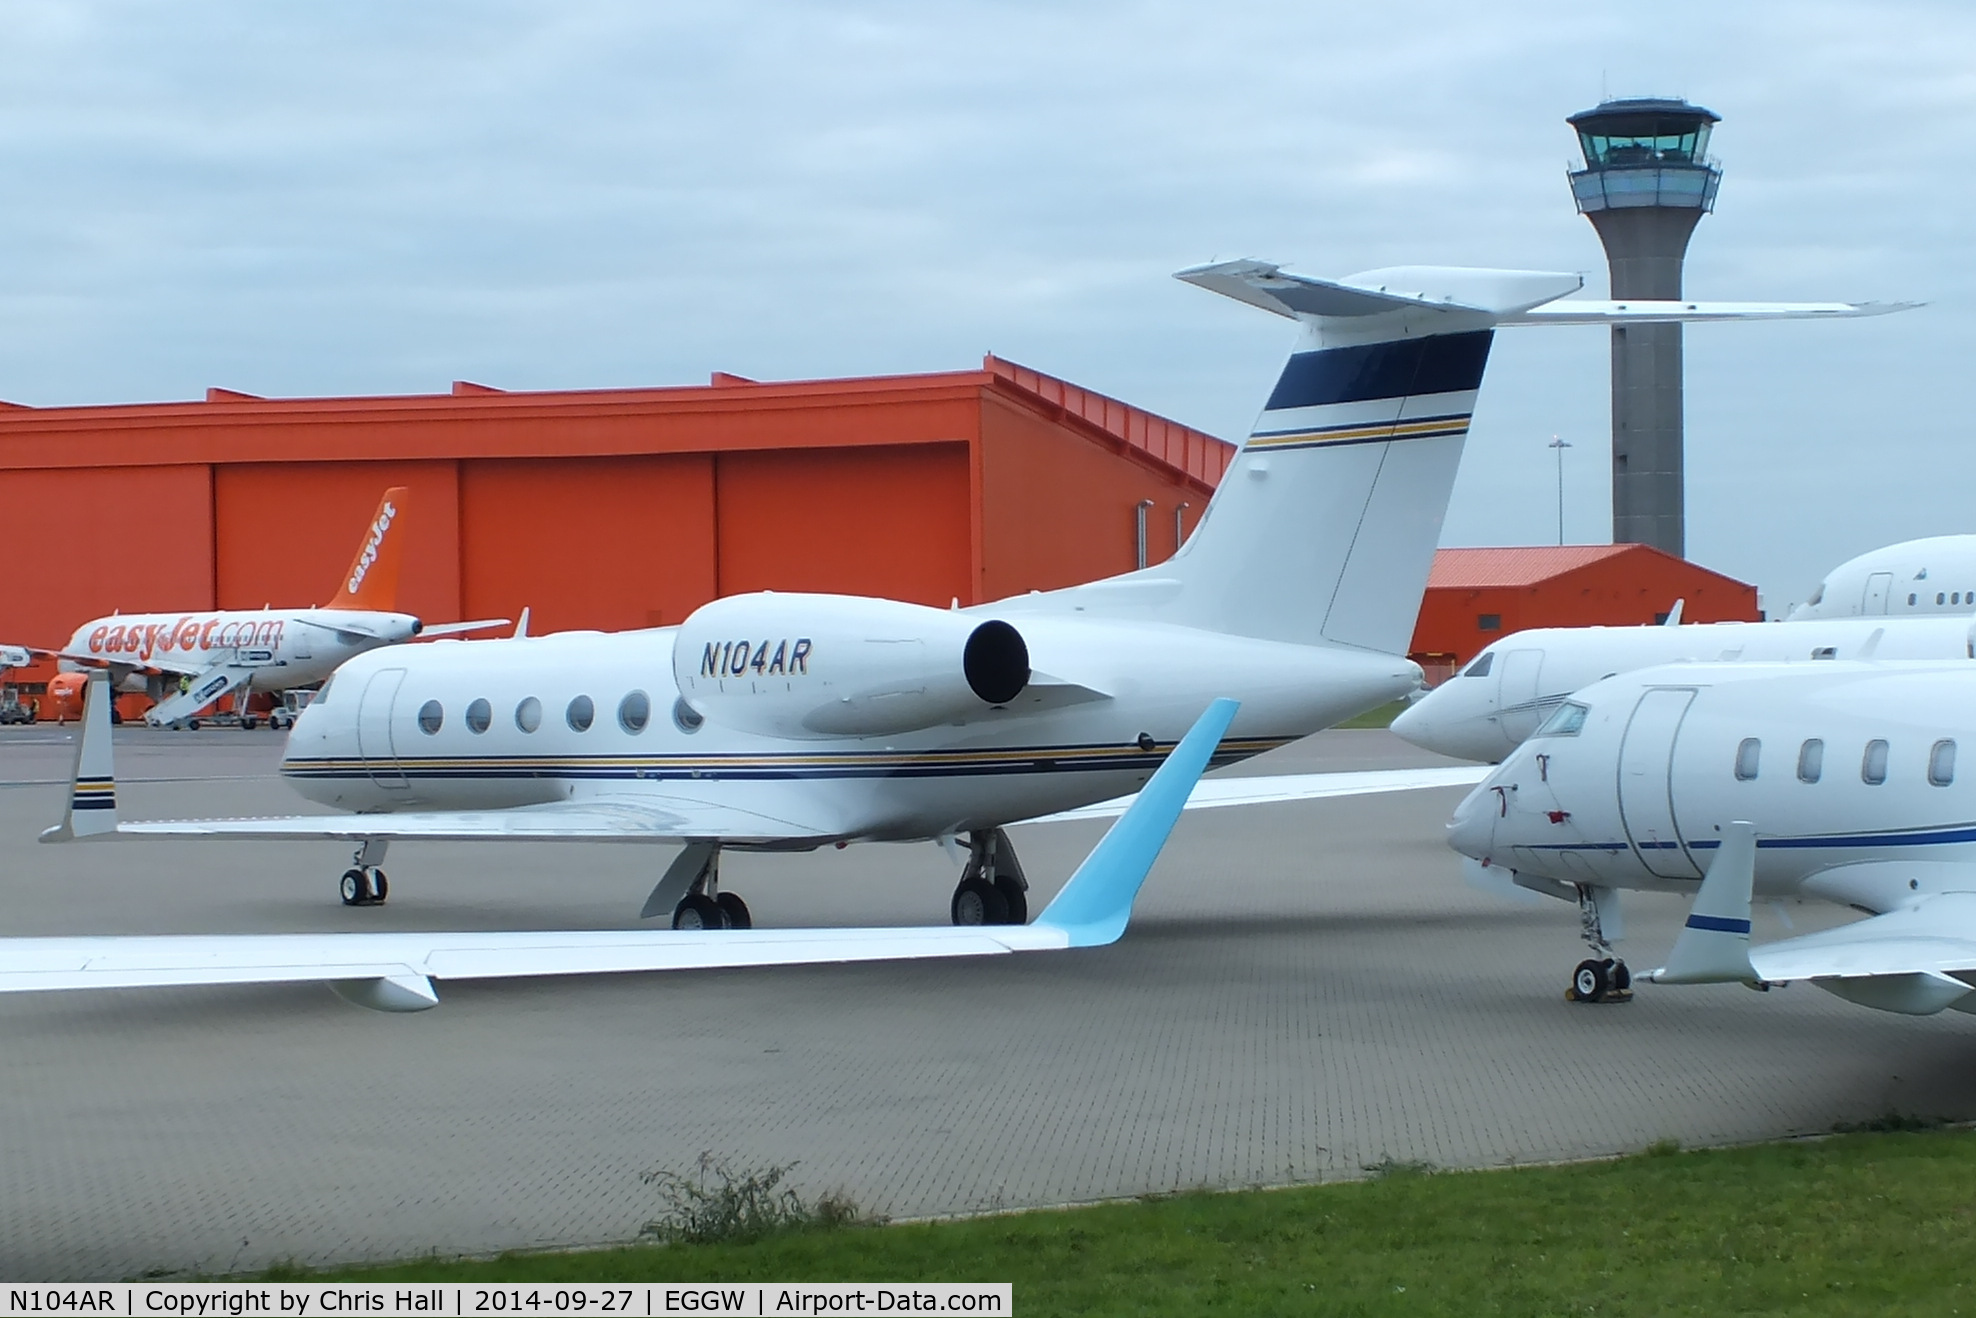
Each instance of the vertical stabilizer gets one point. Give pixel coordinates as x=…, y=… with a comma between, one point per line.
x=372, y=581
x=1325, y=525
x=92, y=808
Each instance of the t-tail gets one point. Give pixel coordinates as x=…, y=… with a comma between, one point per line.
x=372, y=581
x=1324, y=528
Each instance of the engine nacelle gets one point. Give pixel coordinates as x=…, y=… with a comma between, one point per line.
x=843, y=665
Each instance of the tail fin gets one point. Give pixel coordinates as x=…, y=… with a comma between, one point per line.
x=1325, y=525
x=92, y=808
x=372, y=581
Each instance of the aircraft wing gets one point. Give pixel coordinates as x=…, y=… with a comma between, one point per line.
x=592, y=819
x=156, y=664
x=395, y=971
x=1916, y=959
x=1267, y=789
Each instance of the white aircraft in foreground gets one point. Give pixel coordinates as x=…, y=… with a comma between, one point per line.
x=1934, y=575
x=209, y=654
x=784, y=722
x=1837, y=781
x=1486, y=710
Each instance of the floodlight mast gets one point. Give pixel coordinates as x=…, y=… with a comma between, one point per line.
x=1648, y=180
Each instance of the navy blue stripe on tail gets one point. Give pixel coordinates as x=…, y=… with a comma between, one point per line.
x=1406, y=368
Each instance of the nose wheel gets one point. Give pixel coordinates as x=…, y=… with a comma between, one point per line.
x=1601, y=977
x=364, y=884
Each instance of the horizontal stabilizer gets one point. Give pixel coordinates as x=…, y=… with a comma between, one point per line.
x=434, y=629
x=1662, y=313
x=1492, y=293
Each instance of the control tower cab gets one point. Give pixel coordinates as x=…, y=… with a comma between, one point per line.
x=1647, y=181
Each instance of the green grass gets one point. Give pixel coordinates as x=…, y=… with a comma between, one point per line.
x=1857, y=1224
x=1381, y=717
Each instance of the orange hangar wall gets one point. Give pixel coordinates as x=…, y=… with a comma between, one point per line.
x=601, y=509
x=1475, y=596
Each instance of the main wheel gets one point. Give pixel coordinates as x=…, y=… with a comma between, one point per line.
x=1590, y=982
x=1014, y=898
x=735, y=911
x=354, y=887
x=977, y=902
x=380, y=888
x=1622, y=978
x=248, y=723
x=696, y=910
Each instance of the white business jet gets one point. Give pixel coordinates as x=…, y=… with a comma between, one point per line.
x=1842, y=778
x=784, y=722
x=207, y=655
x=1916, y=577
x=1485, y=711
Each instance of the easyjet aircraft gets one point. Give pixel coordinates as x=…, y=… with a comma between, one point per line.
x=785, y=722
x=189, y=660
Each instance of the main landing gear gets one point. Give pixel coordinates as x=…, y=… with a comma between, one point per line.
x=992, y=889
x=364, y=884
x=691, y=891
x=1601, y=977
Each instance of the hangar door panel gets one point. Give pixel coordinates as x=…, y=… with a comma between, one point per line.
x=1646, y=801
x=608, y=543
x=895, y=521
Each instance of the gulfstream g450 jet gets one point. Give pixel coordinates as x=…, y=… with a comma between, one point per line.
x=776, y=721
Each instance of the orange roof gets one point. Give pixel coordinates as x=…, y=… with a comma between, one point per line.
x=24, y=431
x=1519, y=565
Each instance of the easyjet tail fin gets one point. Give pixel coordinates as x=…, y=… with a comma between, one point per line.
x=372, y=581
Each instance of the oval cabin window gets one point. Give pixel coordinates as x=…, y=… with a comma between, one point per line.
x=528, y=714
x=431, y=717
x=581, y=714
x=480, y=715
x=634, y=712
x=1811, y=760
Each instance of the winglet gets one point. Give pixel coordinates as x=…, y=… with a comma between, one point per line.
x=1673, y=618
x=93, y=786
x=521, y=628
x=1714, y=948
x=372, y=581
x=1094, y=906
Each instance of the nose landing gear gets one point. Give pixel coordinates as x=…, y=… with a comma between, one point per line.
x=1601, y=977
x=992, y=889
x=364, y=884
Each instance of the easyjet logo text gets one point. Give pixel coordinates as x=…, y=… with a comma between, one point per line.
x=141, y=640
x=369, y=556
x=739, y=658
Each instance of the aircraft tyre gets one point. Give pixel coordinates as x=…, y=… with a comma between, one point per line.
x=192, y=725
x=380, y=888
x=1013, y=898
x=734, y=911
x=1622, y=978
x=696, y=910
x=353, y=887
x=1590, y=982
x=977, y=901
x=248, y=723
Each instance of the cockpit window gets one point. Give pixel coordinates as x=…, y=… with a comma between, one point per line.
x=1565, y=721
x=1481, y=666
x=322, y=694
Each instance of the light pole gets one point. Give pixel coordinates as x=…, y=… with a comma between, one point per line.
x=1560, y=445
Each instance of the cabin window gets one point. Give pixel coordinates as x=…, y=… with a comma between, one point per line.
x=1873, y=765
x=480, y=715
x=528, y=714
x=1811, y=760
x=431, y=717
x=1826, y=652
x=582, y=712
x=1941, y=764
x=1746, y=759
x=1910, y=601
x=1940, y=598
x=1488, y=622
x=1483, y=663
x=685, y=717
x=1565, y=721
x=634, y=712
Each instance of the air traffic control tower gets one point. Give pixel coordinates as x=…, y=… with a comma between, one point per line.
x=1647, y=180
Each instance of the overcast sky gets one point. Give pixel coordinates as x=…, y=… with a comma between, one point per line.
x=383, y=197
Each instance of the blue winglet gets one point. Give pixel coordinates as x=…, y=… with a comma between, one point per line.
x=1094, y=906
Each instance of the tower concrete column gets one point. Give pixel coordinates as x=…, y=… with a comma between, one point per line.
x=1647, y=182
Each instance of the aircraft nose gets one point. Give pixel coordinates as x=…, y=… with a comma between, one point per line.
x=1472, y=827
x=1414, y=725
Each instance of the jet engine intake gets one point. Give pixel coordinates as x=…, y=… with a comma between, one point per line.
x=809, y=666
